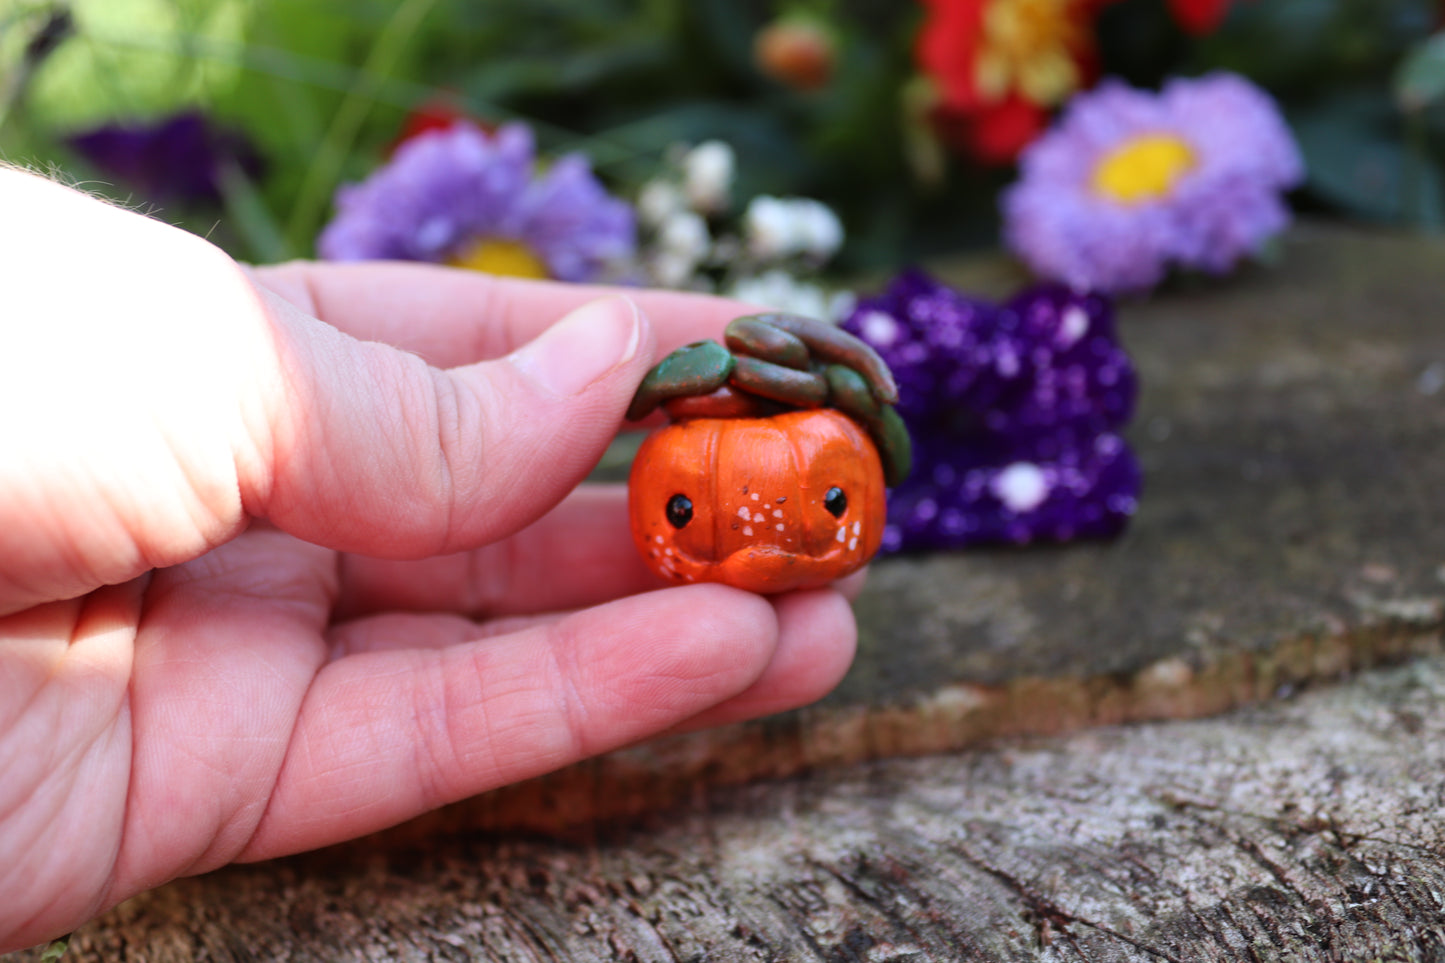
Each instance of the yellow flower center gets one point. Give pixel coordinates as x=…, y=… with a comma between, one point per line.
x=1031, y=46
x=1143, y=169
x=492, y=255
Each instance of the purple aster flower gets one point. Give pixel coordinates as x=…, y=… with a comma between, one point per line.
x=474, y=199
x=1014, y=410
x=179, y=158
x=1129, y=184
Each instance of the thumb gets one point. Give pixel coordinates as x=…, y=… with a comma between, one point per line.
x=374, y=451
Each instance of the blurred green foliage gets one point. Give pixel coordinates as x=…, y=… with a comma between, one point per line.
x=322, y=87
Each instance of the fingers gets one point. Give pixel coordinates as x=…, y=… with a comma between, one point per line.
x=817, y=638
x=452, y=317
x=579, y=554
x=373, y=451
x=384, y=736
x=65, y=737
x=391, y=631
x=225, y=652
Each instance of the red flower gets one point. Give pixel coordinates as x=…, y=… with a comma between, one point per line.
x=1200, y=17
x=1001, y=66
x=438, y=113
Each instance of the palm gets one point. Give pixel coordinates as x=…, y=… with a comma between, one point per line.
x=167, y=705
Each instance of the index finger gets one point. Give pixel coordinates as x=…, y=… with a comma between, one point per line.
x=451, y=316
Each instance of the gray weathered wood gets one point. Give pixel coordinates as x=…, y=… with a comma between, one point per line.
x=1304, y=830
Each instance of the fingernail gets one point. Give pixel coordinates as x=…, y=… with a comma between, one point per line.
x=582, y=347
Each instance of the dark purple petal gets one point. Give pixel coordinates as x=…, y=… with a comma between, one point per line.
x=177, y=159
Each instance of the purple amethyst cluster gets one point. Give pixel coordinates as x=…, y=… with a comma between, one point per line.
x=1014, y=410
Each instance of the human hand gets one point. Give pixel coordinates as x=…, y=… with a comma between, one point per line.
x=290, y=556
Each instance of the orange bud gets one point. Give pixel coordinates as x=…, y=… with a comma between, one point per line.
x=798, y=53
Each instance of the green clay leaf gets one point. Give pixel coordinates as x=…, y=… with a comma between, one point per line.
x=806, y=389
x=848, y=391
x=696, y=369
x=756, y=337
x=832, y=344
x=895, y=447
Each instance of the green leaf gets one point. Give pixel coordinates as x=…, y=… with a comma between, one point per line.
x=325, y=170
x=1420, y=79
x=1358, y=159
x=251, y=217
x=136, y=58
x=54, y=950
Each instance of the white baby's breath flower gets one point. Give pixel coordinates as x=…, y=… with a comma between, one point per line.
x=670, y=270
x=682, y=244
x=779, y=228
x=685, y=235
x=658, y=200
x=820, y=233
x=707, y=176
x=768, y=225
x=779, y=290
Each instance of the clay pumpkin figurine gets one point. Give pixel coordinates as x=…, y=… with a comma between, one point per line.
x=772, y=475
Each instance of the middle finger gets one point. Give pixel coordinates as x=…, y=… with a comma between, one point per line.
x=577, y=555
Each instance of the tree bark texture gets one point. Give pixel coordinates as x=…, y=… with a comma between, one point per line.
x=1306, y=829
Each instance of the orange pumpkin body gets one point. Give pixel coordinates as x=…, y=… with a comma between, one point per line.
x=762, y=500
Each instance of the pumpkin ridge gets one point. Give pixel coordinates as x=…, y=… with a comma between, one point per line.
x=710, y=459
x=799, y=459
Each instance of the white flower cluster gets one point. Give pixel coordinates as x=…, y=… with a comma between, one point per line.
x=781, y=291
x=782, y=227
x=692, y=243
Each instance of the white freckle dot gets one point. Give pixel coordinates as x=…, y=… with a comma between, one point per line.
x=667, y=551
x=743, y=512
x=747, y=530
x=657, y=539
x=842, y=533
x=1021, y=486
x=758, y=517
x=754, y=496
x=780, y=526
x=852, y=544
x=857, y=527
x=777, y=513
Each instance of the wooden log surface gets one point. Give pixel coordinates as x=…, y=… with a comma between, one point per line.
x=1290, y=534
x=1307, y=829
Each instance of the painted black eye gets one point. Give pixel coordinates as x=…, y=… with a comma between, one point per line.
x=836, y=502
x=679, y=510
